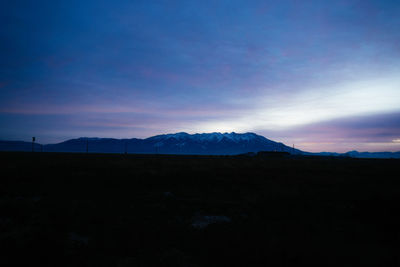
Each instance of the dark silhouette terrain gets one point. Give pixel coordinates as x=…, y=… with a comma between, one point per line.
x=179, y=143
x=156, y=210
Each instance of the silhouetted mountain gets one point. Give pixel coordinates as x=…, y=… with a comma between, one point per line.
x=182, y=143
x=94, y=145
x=211, y=144
x=179, y=143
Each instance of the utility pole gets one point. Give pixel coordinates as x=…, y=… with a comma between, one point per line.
x=33, y=144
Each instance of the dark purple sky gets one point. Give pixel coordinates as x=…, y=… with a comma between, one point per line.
x=324, y=75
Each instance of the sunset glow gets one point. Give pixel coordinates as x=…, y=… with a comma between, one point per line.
x=324, y=75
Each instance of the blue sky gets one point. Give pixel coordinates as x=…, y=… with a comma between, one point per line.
x=324, y=75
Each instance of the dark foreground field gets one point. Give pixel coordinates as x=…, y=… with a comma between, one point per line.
x=132, y=210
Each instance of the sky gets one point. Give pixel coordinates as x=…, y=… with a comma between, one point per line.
x=322, y=75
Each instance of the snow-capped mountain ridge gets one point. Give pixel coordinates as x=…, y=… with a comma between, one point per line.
x=209, y=137
x=214, y=143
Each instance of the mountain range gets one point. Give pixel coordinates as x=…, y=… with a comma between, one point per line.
x=180, y=143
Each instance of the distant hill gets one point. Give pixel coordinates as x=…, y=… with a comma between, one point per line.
x=18, y=146
x=356, y=154
x=382, y=155
x=182, y=143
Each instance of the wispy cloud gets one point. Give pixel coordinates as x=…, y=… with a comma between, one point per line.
x=270, y=67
